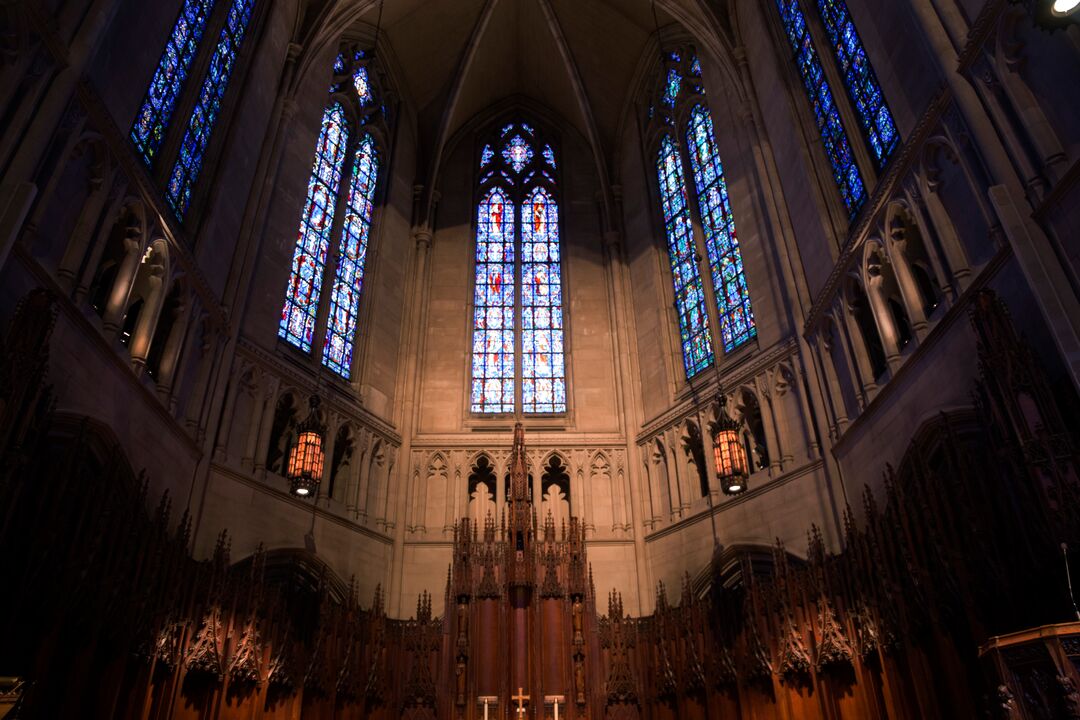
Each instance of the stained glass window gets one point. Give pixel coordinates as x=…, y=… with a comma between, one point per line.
x=837, y=148
x=862, y=85
x=718, y=223
x=352, y=254
x=309, y=259
x=486, y=155
x=689, y=291
x=549, y=155
x=493, y=306
x=517, y=153
x=672, y=87
x=543, y=368
x=363, y=88
x=148, y=130
x=207, y=107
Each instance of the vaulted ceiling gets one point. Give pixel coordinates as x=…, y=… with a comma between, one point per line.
x=582, y=59
x=577, y=57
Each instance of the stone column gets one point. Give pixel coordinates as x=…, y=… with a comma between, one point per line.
x=258, y=408
x=75, y=252
x=909, y=289
x=453, y=496
x=707, y=447
x=266, y=425
x=151, y=312
x=329, y=445
x=890, y=337
x=170, y=357
x=953, y=262
x=856, y=347
x=836, y=393
x=227, y=414
x=768, y=421
x=125, y=277
x=356, y=469
x=500, y=485
x=206, y=349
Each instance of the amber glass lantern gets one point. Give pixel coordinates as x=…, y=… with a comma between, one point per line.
x=732, y=467
x=305, y=467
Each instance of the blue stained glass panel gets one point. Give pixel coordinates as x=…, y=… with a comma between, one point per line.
x=486, y=156
x=860, y=80
x=352, y=256
x=696, y=338
x=152, y=120
x=549, y=155
x=493, y=306
x=362, y=85
x=543, y=364
x=208, y=107
x=309, y=258
x=718, y=223
x=833, y=137
x=517, y=153
x=672, y=85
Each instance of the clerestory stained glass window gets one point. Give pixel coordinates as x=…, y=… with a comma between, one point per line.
x=152, y=120
x=718, y=223
x=860, y=80
x=696, y=338
x=833, y=137
x=493, y=306
x=543, y=381
x=208, y=106
x=309, y=258
x=352, y=256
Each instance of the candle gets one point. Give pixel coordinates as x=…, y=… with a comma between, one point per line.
x=485, y=710
x=556, y=710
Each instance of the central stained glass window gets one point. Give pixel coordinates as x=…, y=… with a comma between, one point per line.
x=518, y=358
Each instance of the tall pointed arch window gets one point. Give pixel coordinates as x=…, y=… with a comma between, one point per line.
x=207, y=107
x=340, y=203
x=680, y=111
x=150, y=128
x=518, y=358
x=156, y=110
x=826, y=114
x=862, y=89
x=862, y=85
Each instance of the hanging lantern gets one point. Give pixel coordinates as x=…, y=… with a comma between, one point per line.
x=305, y=467
x=732, y=467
